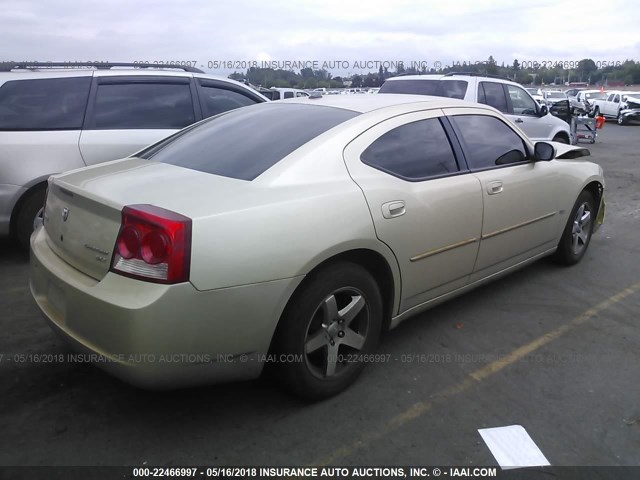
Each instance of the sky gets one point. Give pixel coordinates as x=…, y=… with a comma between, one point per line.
x=210, y=33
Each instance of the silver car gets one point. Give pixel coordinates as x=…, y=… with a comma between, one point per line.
x=290, y=234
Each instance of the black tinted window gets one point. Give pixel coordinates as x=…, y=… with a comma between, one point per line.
x=488, y=141
x=417, y=150
x=288, y=94
x=438, y=88
x=492, y=94
x=46, y=104
x=219, y=100
x=245, y=143
x=143, y=105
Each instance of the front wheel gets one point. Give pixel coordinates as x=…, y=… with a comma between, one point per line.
x=577, y=233
x=621, y=119
x=327, y=331
x=561, y=139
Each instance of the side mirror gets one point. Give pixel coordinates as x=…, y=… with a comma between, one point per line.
x=543, y=110
x=543, y=152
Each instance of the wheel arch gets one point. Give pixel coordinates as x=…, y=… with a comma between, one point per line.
x=40, y=184
x=381, y=269
x=596, y=188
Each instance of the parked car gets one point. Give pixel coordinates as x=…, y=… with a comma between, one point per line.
x=295, y=232
x=508, y=97
x=583, y=101
x=572, y=92
x=551, y=97
x=620, y=105
x=284, y=93
x=54, y=119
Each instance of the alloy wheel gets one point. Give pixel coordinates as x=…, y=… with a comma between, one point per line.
x=581, y=229
x=336, y=333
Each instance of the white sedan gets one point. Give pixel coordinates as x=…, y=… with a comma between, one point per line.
x=291, y=234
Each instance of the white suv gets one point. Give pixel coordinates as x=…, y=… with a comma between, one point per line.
x=54, y=119
x=507, y=96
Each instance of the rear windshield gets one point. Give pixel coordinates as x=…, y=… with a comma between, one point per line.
x=438, y=88
x=246, y=142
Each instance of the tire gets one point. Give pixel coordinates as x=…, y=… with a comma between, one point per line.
x=621, y=120
x=561, y=139
x=337, y=315
x=29, y=210
x=577, y=233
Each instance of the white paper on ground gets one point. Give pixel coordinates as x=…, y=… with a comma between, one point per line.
x=512, y=447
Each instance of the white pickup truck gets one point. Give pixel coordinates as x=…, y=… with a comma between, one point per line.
x=623, y=106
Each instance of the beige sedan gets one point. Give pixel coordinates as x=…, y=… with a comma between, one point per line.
x=289, y=235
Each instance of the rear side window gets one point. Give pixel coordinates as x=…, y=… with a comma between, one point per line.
x=44, y=104
x=491, y=93
x=488, y=141
x=415, y=151
x=219, y=100
x=245, y=143
x=288, y=94
x=143, y=105
x=439, y=88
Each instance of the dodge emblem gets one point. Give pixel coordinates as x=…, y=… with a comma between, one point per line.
x=65, y=214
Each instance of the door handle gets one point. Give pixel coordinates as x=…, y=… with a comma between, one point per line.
x=494, y=187
x=393, y=209
x=519, y=120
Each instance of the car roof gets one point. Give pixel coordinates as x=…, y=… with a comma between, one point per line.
x=430, y=76
x=368, y=103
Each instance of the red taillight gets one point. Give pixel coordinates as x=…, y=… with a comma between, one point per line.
x=153, y=244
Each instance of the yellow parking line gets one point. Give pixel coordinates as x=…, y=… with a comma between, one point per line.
x=420, y=408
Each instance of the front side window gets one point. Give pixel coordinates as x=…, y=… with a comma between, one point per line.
x=219, y=100
x=143, y=105
x=521, y=102
x=488, y=142
x=44, y=104
x=414, y=151
x=492, y=94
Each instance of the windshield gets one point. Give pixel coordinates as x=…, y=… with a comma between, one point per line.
x=556, y=95
x=237, y=144
x=439, y=88
x=594, y=95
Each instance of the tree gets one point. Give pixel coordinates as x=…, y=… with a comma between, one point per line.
x=492, y=66
x=516, y=65
x=356, y=81
x=585, y=68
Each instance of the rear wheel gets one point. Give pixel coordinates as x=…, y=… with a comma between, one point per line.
x=326, y=330
x=577, y=233
x=29, y=216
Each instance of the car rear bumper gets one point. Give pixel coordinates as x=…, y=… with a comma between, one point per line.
x=158, y=336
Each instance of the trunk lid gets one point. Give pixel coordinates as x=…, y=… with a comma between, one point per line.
x=83, y=207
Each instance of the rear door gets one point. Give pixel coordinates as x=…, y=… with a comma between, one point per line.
x=519, y=195
x=40, y=123
x=424, y=203
x=127, y=113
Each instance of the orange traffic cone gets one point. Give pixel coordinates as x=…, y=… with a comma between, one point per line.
x=600, y=121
